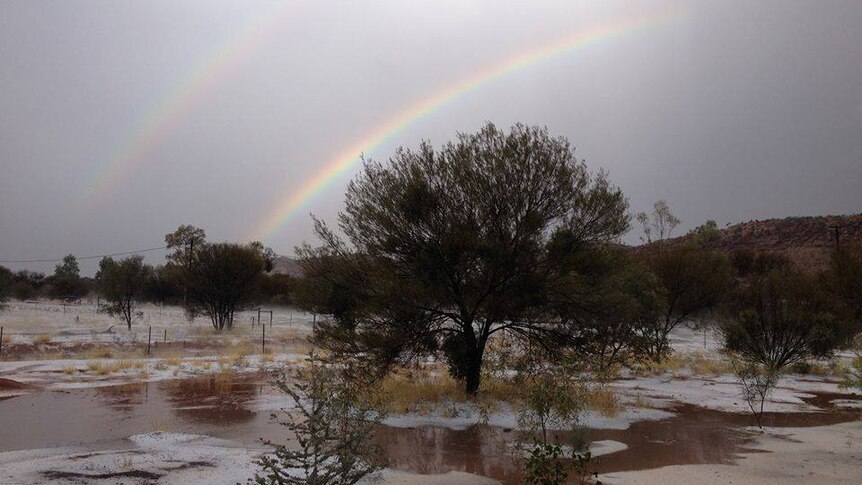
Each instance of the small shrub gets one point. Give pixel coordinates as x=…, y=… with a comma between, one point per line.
x=99, y=367
x=853, y=374
x=757, y=383
x=604, y=401
x=334, y=428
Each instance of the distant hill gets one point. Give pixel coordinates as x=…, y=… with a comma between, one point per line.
x=807, y=241
x=286, y=265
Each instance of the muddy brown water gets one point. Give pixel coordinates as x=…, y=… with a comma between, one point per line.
x=102, y=418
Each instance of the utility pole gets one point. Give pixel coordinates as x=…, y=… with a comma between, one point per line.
x=837, y=229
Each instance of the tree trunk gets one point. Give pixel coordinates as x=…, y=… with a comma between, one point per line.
x=474, y=370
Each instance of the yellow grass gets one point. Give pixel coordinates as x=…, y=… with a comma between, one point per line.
x=70, y=369
x=7, y=340
x=224, y=380
x=699, y=363
x=103, y=367
x=41, y=339
x=604, y=401
x=99, y=367
x=173, y=361
x=100, y=353
x=159, y=424
x=420, y=395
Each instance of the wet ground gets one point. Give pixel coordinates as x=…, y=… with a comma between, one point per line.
x=101, y=418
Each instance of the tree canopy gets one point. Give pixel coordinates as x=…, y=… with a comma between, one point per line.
x=223, y=279
x=445, y=248
x=121, y=283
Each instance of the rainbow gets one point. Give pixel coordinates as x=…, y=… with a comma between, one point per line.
x=293, y=201
x=190, y=90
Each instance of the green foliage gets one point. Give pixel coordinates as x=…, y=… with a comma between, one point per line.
x=843, y=279
x=545, y=466
x=853, y=375
x=165, y=284
x=66, y=281
x=695, y=281
x=746, y=262
x=707, y=234
x=757, y=383
x=26, y=284
x=553, y=398
x=783, y=317
x=68, y=268
x=184, y=242
x=5, y=286
x=121, y=283
x=448, y=247
x=223, y=279
x=626, y=301
x=333, y=428
x=266, y=254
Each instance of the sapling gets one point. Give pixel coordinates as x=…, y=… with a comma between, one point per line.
x=334, y=424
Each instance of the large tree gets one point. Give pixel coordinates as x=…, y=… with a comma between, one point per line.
x=446, y=248
x=122, y=283
x=223, y=279
x=66, y=282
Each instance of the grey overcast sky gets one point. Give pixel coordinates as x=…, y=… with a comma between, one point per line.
x=121, y=120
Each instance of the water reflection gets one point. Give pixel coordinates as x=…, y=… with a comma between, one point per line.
x=101, y=418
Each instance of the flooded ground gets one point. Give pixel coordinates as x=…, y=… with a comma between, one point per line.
x=102, y=418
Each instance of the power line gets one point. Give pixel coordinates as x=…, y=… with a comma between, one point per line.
x=98, y=256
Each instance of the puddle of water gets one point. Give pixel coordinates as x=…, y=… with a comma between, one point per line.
x=101, y=418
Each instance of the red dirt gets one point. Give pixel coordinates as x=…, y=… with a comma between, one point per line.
x=9, y=385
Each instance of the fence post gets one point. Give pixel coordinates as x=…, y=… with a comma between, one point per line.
x=1, y=341
x=166, y=336
x=149, y=338
x=270, y=319
x=263, y=339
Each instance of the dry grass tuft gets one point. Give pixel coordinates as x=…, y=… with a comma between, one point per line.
x=70, y=369
x=604, y=401
x=42, y=339
x=224, y=380
x=100, y=353
x=159, y=424
x=102, y=367
x=173, y=361
x=420, y=395
x=99, y=367
x=122, y=364
x=699, y=363
x=7, y=339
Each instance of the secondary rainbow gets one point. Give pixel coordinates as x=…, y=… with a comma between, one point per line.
x=192, y=88
x=293, y=201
